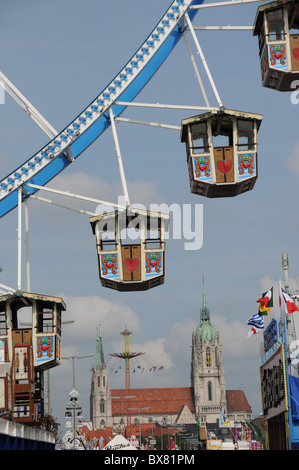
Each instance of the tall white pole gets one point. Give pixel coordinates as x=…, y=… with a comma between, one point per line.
x=203, y=60
x=20, y=239
x=27, y=246
x=119, y=159
x=285, y=267
x=196, y=71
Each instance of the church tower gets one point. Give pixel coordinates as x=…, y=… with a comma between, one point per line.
x=100, y=397
x=207, y=369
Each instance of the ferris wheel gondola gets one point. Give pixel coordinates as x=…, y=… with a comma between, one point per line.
x=130, y=247
x=277, y=28
x=226, y=170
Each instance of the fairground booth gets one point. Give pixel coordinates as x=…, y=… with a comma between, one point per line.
x=280, y=386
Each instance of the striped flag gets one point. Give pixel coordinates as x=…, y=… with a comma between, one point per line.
x=257, y=321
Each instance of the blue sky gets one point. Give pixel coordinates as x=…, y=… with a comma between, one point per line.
x=60, y=55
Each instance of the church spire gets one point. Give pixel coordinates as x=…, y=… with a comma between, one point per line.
x=205, y=329
x=204, y=312
x=99, y=355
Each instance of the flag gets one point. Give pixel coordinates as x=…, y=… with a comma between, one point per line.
x=171, y=446
x=282, y=304
x=257, y=321
x=263, y=310
x=287, y=305
x=252, y=331
x=291, y=306
x=223, y=418
x=102, y=443
x=266, y=301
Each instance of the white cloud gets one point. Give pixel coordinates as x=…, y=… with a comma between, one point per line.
x=146, y=370
x=140, y=191
x=90, y=312
x=233, y=337
x=156, y=353
x=89, y=186
x=144, y=192
x=266, y=283
x=85, y=185
x=179, y=340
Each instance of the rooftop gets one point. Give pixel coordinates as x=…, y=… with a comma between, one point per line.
x=170, y=400
x=159, y=400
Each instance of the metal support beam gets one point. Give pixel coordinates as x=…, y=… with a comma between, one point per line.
x=73, y=364
x=30, y=110
x=196, y=70
x=190, y=26
x=166, y=106
x=50, y=201
x=222, y=4
x=153, y=124
x=75, y=196
x=27, y=246
x=223, y=28
x=7, y=289
x=119, y=159
x=20, y=195
x=27, y=107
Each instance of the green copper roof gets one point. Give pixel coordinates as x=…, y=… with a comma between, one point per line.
x=205, y=329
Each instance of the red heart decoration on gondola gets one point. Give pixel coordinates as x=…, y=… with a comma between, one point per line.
x=109, y=264
x=131, y=264
x=295, y=53
x=153, y=262
x=45, y=347
x=224, y=166
x=277, y=55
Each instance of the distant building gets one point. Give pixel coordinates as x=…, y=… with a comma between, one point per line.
x=100, y=394
x=205, y=399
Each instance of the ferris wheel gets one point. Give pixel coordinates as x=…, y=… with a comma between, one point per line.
x=213, y=171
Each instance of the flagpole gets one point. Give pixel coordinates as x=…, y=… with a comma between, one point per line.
x=285, y=268
x=287, y=310
x=276, y=308
x=285, y=333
